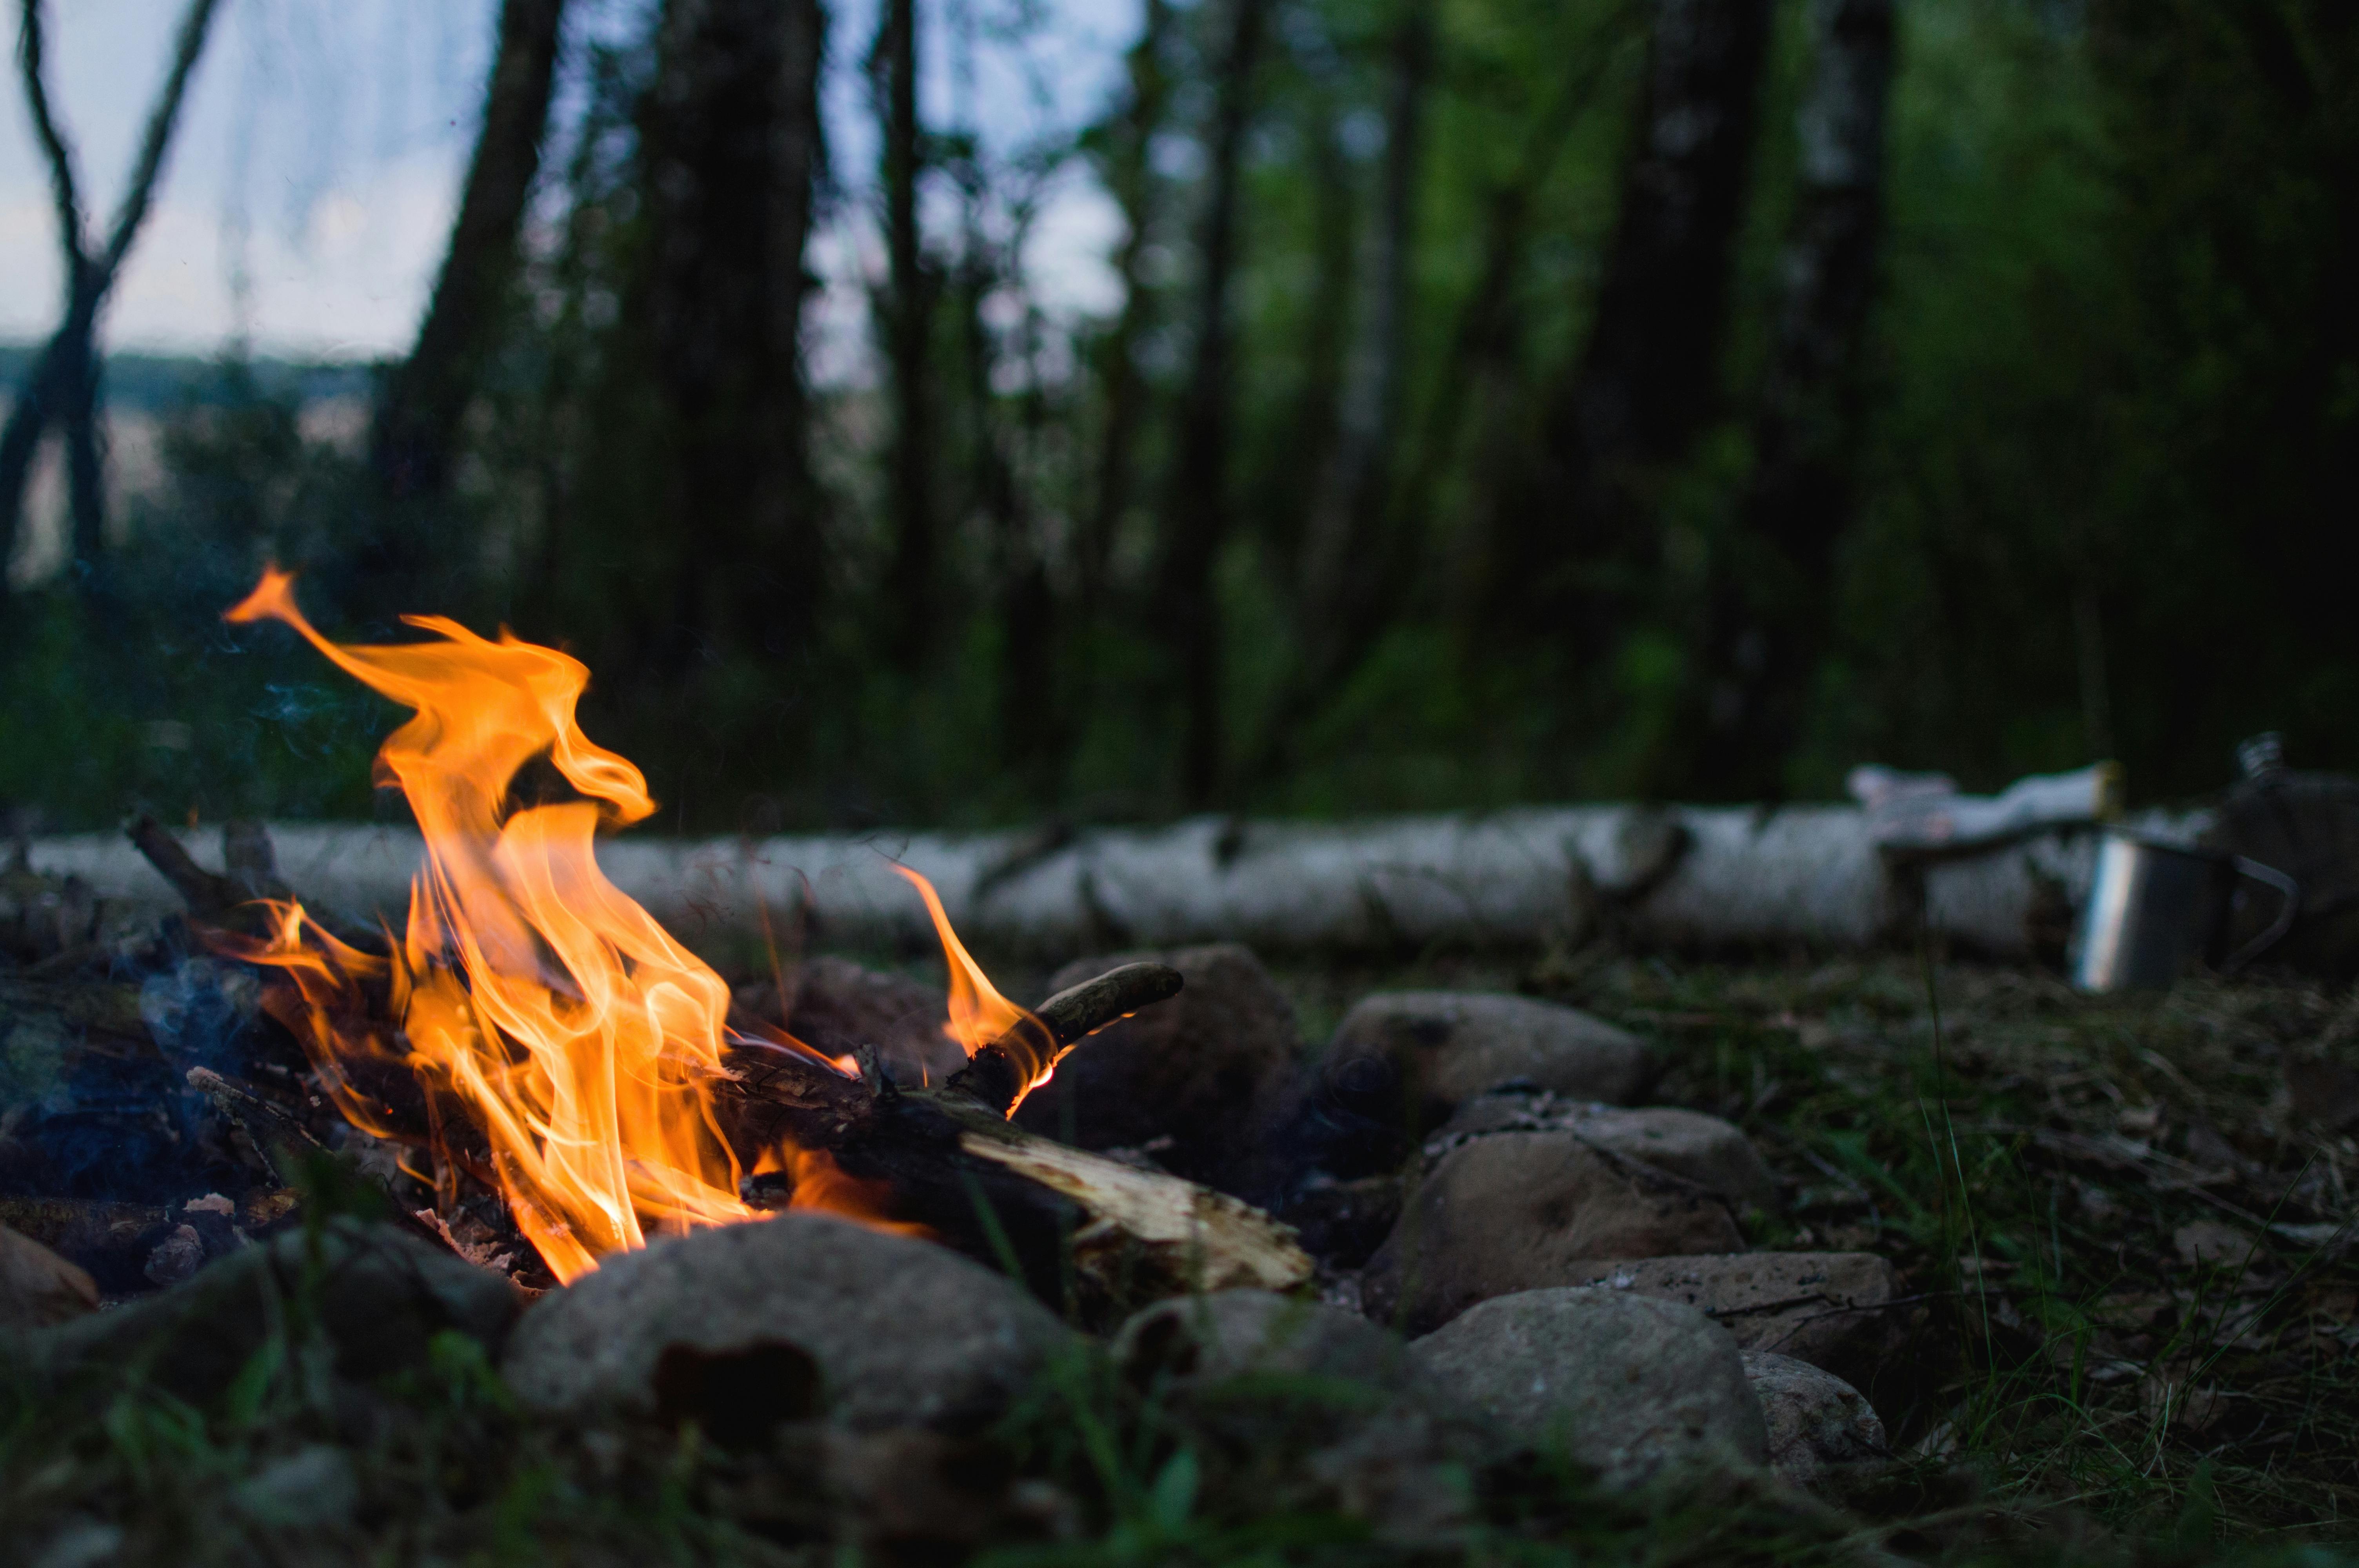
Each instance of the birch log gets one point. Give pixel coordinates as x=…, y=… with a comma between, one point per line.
x=1682, y=877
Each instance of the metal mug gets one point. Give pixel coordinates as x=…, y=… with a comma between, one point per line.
x=2153, y=905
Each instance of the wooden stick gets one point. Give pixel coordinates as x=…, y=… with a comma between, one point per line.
x=997, y=1076
x=208, y=896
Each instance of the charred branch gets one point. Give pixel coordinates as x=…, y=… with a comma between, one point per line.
x=231, y=902
x=996, y=1076
x=950, y=1160
x=207, y=894
x=277, y=1133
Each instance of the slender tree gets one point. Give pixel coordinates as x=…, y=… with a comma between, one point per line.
x=730, y=148
x=1197, y=514
x=1347, y=558
x=1577, y=526
x=1129, y=175
x=907, y=316
x=425, y=397
x=1769, y=604
x=62, y=388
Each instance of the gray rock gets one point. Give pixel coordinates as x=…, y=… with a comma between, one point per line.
x=1833, y=1310
x=312, y=1488
x=1628, y=1385
x=1199, y=1081
x=1816, y=1422
x=1378, y=1440
x=378, y=1296
x=746, y=1325
x=39, y=1288
x=81, y=1543
x=1704, y=1149
x=1421, y=1053
x=1522, y=1211
x=1233, y=1334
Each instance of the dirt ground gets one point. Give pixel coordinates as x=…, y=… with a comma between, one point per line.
x=2123, y=1225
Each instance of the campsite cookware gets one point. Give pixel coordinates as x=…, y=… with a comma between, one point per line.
x=2154, y=906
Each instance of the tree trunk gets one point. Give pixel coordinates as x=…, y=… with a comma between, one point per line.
x=63, y=385
x=1197, y=523
x=1131, y=179
x=1349, y=507
x=86, y=466
x=1704, y=878
x=731, y=147
x=424, y=398
x=1355, y=547
x=1771, y=600
x=1287, y=491
x=1031, y=712
x=908, y=325
x=1648, y=378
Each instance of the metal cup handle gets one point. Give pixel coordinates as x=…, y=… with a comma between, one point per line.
x=2289, y=906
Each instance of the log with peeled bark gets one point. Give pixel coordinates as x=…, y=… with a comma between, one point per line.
x=1671, y=877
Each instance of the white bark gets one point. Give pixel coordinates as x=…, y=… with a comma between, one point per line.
x=1682, y=877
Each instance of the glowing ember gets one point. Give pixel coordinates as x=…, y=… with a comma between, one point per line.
x=533, y=997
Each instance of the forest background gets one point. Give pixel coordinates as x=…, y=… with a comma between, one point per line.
x=1500, y=401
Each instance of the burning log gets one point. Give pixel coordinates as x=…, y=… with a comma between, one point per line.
x=995, y=1077
x=558, y=1061
x=947, y=1160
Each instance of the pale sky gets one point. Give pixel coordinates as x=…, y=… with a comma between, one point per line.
x=324, y=140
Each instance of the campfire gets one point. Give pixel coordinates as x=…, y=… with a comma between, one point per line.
x=559, y=1079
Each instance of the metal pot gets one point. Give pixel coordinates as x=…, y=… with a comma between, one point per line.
x=2155, y=906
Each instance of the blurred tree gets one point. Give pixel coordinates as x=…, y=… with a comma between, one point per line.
x=1577, y=553
x=1197, y=512
x=2226, y=605
x=1344, y=563
x=731, y=147
x=425, y=397
x=1769, y=607
x=1124, y=146
x=63, y=387
x=1354, y=545
x=906, y=317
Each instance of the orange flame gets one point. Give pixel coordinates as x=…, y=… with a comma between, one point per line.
x=576, y=1035
x=979, y=1015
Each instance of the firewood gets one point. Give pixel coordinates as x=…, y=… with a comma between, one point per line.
x=947, y=1160
x=944, y=1159
x=996, y=1076
x=277, y=1133
x=208, y=894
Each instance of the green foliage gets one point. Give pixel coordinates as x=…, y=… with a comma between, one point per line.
x=2111, y=388
x=2032, y=1160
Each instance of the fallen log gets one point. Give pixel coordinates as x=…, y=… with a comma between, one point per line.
x=1668, y=876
